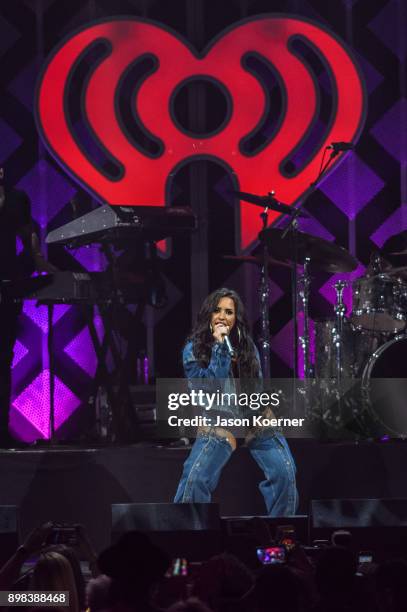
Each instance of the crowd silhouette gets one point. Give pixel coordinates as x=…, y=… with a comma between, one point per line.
x=135, y=575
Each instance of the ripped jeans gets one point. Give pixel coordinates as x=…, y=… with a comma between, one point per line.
x=210, y=453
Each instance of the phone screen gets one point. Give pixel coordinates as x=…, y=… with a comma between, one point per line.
x=271, y=554
x=63, y=535
x=365, y=557
x=179, y=567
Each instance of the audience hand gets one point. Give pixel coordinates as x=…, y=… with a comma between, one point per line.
x=37, y=538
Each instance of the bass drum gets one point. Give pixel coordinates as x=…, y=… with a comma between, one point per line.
x=384, y=387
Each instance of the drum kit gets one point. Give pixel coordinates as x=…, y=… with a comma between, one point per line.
x=358, y=370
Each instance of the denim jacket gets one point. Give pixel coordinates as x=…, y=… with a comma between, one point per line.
x=216, y=376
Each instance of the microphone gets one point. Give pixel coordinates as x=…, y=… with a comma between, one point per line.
x=229, y=345
x=341, y=146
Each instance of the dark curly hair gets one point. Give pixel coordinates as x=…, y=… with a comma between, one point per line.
x=202, y=339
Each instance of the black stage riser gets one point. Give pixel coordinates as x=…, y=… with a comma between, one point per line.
x=377, y=525
x=196, y=531
x=80, y=485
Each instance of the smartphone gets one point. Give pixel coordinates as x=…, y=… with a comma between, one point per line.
x=365, y=556
x=271, y=555
x=63, y=534
x=179, y=567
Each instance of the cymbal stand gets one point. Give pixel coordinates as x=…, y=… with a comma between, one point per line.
x=264, y=291
x=305, y=338
x=340, y=311
x=305, y=281
x=292, y=227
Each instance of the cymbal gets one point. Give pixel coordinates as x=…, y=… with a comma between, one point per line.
x=398, y=270
x=267, y=200
x=256, y=260
x=325, y=255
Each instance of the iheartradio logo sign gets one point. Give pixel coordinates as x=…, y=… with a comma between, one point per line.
x=105, y=108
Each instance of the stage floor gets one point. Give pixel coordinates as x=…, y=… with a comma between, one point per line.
x=79, y=484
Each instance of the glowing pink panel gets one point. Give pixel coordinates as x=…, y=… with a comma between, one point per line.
x=20, y=351
x=34, y=402
x=39, y=314
x=91, y=258
x=81, y=349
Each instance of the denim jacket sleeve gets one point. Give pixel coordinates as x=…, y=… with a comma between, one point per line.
x=218, y=367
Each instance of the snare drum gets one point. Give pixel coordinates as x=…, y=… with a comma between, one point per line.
x=379, y=303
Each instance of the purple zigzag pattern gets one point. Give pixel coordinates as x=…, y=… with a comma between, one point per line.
x=34, y=403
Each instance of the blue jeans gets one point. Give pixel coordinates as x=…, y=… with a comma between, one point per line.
x=209, y=455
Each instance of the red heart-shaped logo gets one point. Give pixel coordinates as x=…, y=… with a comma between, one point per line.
x=141, y=178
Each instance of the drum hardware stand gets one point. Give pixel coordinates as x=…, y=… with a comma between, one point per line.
x=264, y=289
x=305, y=338
x=340, y=311
x=264, y=292
x=269, y=202
x=112, y=391
x=293, y=227
x=120, y=401
x=375, y=264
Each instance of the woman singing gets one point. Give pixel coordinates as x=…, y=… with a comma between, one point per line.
x=207, y=356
